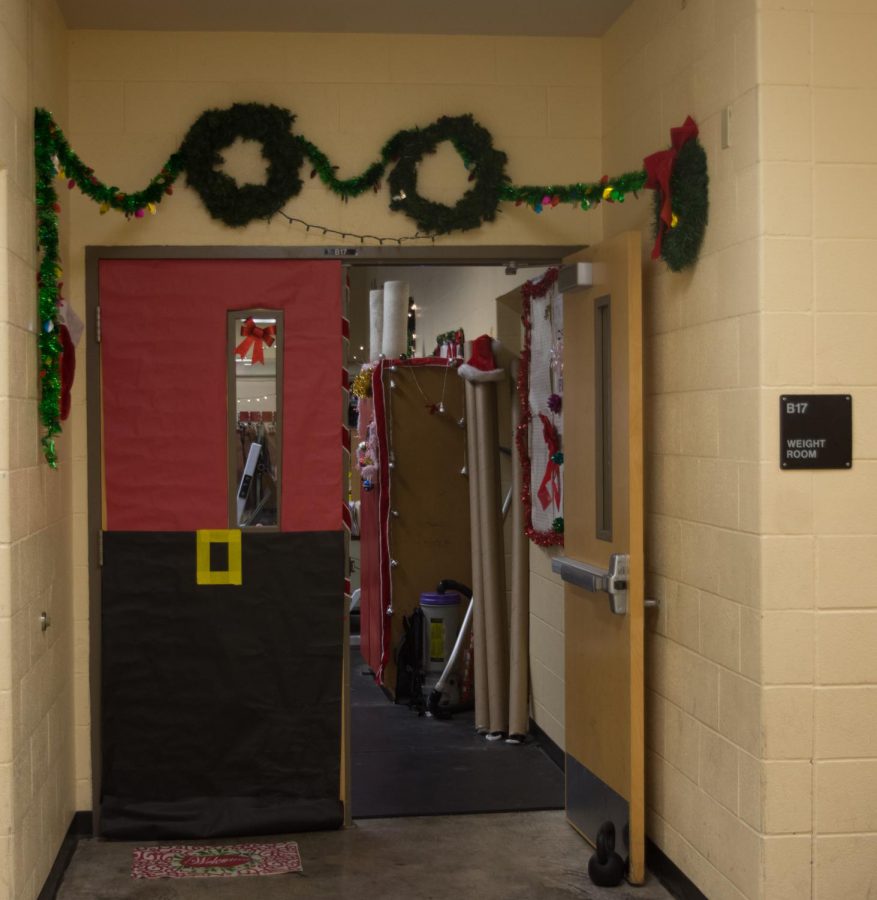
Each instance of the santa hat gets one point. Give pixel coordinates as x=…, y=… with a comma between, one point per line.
x=481, y=365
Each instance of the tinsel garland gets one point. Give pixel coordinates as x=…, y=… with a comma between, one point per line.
x=53, y=157
x=237, y=205
x=553, y=538
x=361, y=386
x=583, y=194
x=214, y=130
x=48, y=295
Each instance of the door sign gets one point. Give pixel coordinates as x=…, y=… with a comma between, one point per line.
x=816, y=431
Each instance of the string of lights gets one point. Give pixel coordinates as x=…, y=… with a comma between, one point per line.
x=327, y=230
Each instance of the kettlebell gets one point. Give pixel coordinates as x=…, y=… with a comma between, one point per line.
x=606, y=867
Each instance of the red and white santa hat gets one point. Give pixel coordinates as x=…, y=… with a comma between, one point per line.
x=481, y=365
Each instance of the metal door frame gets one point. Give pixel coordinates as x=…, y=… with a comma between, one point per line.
x=463, y=255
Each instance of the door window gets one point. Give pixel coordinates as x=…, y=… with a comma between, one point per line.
x=255, y=379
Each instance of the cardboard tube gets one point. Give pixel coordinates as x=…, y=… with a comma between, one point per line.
x=376, y=323
x=395, y=335
x=492, y=554
x=482, y=716
x=519, y=613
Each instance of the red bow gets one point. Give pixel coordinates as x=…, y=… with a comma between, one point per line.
x=659, y=168
x=256, y=338
x=550, y=488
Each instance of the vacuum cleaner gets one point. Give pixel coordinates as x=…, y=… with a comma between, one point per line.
x=440, y=703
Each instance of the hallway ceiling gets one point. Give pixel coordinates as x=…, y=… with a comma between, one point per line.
x=507, y=17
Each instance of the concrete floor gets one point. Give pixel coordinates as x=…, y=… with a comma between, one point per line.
x=503, y=856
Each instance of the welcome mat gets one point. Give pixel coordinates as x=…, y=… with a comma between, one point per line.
x=209, y=862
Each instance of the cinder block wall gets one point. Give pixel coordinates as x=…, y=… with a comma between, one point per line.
x=761, y=676
x=818, y=332
x=662, y=61
x=36, y=708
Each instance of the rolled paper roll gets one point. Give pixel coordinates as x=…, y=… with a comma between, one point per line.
x=519, y=612
x=376, y=323
x=395, y=335
x=482, y=708
x=492, y=556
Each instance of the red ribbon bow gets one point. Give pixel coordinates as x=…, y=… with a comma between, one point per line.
x=659, y=168
x=256, y=338
x=550, y=488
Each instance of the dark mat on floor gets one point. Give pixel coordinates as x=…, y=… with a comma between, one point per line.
x=405, y=765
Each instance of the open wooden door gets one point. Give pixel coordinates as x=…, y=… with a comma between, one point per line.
x=603, y=566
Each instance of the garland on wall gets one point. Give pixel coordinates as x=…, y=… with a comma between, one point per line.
x=554, y=537
x=53, y=157
x=678, y=177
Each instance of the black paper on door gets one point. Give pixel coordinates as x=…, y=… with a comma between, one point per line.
x=221, y=703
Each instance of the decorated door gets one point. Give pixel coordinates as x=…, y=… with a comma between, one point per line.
x=603, y=566
x=222, y=580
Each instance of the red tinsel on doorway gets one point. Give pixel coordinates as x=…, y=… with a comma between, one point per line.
x=530, y=290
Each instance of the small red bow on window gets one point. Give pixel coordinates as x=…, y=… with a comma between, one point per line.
x=257, y=338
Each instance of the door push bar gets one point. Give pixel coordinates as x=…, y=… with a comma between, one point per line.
x=592, y=578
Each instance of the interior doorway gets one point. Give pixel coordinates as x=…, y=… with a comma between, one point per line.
x=96, y=257
x=405, y=762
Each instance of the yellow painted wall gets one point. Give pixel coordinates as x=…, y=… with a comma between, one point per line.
x=36, y=708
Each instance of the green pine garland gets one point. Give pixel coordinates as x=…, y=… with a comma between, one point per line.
x=237, y=205
x=270, y=125
x=585, y=195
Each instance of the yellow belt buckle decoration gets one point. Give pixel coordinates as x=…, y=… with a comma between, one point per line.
x=204, y=574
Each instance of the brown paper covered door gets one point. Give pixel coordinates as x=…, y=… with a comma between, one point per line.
x=603, y=516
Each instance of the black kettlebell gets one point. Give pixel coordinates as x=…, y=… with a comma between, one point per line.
x=606, y=867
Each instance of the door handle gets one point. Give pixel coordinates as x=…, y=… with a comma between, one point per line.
x=612, y=581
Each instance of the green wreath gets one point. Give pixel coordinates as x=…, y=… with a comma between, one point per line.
x=689, y=188
x=487, y=169
x=216, y=129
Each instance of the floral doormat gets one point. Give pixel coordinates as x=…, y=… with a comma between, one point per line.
x=208, y=862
